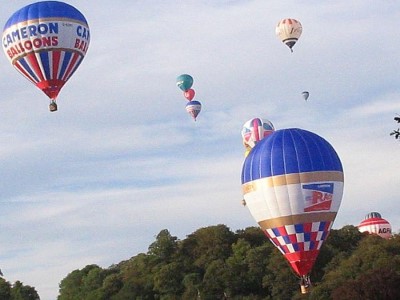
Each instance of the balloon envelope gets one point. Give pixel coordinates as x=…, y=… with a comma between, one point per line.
x=293, y=184
x=184, y=82
x=193, y=108
x=373, y=223
x=189, y=94
x=46, y=42
x=305, y=95
x=254, y=130
x=289, y=31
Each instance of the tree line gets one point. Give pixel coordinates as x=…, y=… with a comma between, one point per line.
x=216, y=263
x=17, y=291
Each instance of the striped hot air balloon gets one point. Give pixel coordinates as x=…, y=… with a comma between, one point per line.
x=293, y=184
x=254, y=130
x=289, y=31
x=46, y=42
x=193, y=108
x=373, y=223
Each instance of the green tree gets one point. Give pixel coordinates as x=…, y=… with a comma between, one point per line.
x=137, y=277
x=192, y=283
x=279, y=279
x=245, y=270
x=372, y=253
x=93, y=280
x=5, y=289
x=214, y=284
x=23, y=292
x=72, y=286
x=208, y=244
x=257, y=260
x=374, y=284
x=168, y=280
x=253, y=235
x=112, y=284
x=214, y=263
x=345, y=239
x=164, y=247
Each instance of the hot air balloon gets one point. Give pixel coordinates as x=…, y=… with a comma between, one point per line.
x=305, y=95
x=46, y=42
x=184, y=82
x=293, y=184
x=193, y=108
x=254, y=130
x=289, y=31
x=373, y=223
x=189, y=94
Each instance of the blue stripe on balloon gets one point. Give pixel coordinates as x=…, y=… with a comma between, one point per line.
x=28, y=69
x=44, y=58
x=43, y=10
x=289, y=151
x=67, y=58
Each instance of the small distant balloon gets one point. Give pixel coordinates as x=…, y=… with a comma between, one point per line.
x=184, y=82
x=193, y=108
x=373, y=223
x=289, y=31
x=305, y=95
x=254, y=130
x=189, y=94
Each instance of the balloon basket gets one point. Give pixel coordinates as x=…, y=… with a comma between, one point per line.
x=305, y=284
x=53, y=107
x=304, y=289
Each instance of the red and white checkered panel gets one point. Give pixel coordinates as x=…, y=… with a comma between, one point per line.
x=300, y=243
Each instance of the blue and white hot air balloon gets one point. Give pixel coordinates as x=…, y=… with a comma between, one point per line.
x=193, y=108
x=293, y=184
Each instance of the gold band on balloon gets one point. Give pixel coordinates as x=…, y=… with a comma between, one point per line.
x=297, y=219
x=294, y=178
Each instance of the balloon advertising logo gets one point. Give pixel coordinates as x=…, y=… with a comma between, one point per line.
x=318, y=196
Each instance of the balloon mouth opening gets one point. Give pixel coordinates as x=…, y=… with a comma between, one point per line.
x=51, y=87
x=290, y=43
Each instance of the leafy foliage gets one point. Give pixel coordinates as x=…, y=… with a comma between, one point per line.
x=216, y=263
x=17, y=291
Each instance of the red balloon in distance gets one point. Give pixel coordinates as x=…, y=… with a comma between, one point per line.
x=189, y=94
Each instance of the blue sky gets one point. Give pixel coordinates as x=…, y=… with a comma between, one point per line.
x=95, y=182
